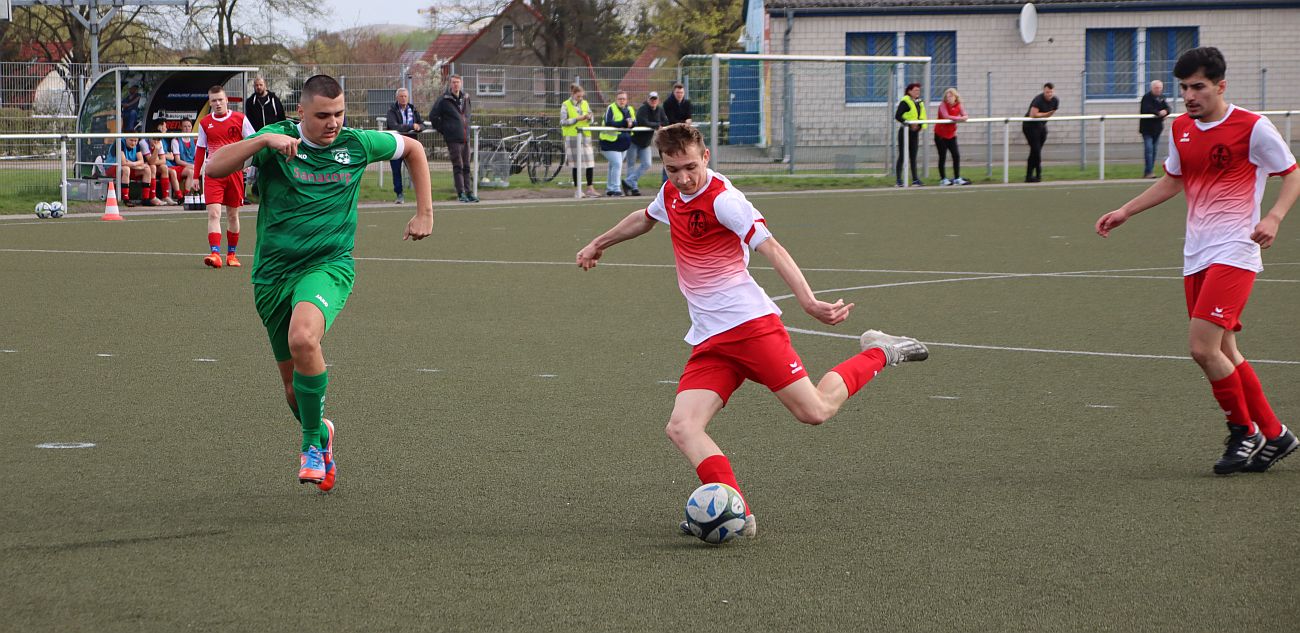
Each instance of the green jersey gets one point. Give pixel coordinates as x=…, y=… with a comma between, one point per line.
x=308, y=211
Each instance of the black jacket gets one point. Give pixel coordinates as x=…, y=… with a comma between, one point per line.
x=450, y=116
x=647, y=116
x=395, y=121
x=262, y=111
x=677, y=111
x=1152, y=104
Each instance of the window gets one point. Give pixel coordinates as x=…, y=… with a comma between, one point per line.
x=491, y=83
x=941, y=48
x=1164, y=45
x=868, y=82
x=539, y=82
x=1111, y=64
x=507, y=36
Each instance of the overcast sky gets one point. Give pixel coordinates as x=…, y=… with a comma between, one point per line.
x=349, y=13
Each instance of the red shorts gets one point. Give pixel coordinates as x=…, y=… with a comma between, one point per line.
x=1218, y=294
x=759, y=350
x=179, y=169
x=228, y=191
x=111, y=172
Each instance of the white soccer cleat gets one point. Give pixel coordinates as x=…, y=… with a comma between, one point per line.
x=897, y=349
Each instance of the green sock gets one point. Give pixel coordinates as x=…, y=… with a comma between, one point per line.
x=310, y=393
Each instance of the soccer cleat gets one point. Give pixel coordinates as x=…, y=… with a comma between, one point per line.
x=749, y=531
x=232, y=261
x=331, y=471
x=686, y=528
x=311, y=466
x=1273, y=451
x=897, y=349
x=1241, y=447
x=213, y=260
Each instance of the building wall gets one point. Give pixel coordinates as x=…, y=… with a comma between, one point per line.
x=1254, y=41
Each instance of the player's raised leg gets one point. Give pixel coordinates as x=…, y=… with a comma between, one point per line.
x=1206, y=341
x=815, y=405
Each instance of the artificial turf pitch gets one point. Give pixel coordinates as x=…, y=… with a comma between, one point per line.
x=500, y=432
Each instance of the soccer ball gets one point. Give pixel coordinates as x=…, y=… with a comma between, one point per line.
x=56, y=209
x=42, y=210
x=715, y=513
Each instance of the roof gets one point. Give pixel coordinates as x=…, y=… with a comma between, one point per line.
x=640, y=78
x=1010, y=6
x=447, y=46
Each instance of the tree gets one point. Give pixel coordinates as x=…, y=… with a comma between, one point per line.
x=593, y=26
x=697, y=27
x=222, y=26
x=51, y=29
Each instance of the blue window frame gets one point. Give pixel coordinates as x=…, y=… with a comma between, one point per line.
x=941, y=48
x=868, y=82
x=1164, y=45
x=1111, y=63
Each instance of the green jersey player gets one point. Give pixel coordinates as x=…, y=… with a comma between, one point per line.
x=310, y=173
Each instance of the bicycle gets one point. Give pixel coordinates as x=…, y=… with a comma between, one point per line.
x=527, y=150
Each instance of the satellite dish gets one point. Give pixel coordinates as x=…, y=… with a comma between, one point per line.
x=1028, y=23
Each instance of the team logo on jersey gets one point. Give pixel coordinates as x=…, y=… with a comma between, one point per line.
x=302, y=156
x=1187, y=138
x=1221, y=156
x=696, y=224
x=342, y=156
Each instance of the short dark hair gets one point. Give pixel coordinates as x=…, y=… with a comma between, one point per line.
x=675, y=139
x=1208, y=60
x=320, y=85
x=678, y=85
x=1049, y=85
x=911, y=85
x=215, y=89
x=187, y=120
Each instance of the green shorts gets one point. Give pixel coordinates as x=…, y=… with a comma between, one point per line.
x=325, y=286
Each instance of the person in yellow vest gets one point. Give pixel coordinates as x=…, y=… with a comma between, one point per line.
x=911, y=108
x=575, y=114
x=614, y=145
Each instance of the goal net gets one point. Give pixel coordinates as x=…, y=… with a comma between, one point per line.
x=804, y=114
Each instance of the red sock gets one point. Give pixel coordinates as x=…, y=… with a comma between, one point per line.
x=1260, y=411
x=148, y=192
x=716, y=469
x=859, y=369
x=232, y=240
x=214, y=241
x=1232, y=399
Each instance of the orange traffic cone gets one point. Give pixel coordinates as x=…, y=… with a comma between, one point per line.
x=110, y=205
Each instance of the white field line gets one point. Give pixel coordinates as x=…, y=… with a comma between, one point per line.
x=1039, y=350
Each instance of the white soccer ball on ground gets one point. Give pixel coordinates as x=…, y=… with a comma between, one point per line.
x=56, y=209
x=42, y=210
x=715, y=513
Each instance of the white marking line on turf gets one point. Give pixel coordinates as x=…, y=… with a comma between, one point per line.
x=8, y=351
x=1038, y=350
x=945, y=398
x=667, y=382
x=1101, y=406
x=205, y=360
x=66, y=445
x=104, y=355
x=548, y=375
x=428, y=370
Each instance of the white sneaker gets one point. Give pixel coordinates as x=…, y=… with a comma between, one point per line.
x=945, y=183
x=897, y=349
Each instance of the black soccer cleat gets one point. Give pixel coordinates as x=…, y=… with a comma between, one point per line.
x=1241, y=449
x=1273, y=452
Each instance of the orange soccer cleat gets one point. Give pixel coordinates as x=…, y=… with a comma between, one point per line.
x=232, y=261
x=213, y=260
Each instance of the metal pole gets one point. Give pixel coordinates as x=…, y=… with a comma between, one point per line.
x=1101, y=149
x=890, y=137
x=1288, y=129
x=988, y=127
x=1006, y=151
x=925, y=99
x=902, y=171
x=117, y=105
x=63, y=169
x=578, y=142
x=714, y=71
x=474, y=158
x=1083, y=125
x=1263, y=89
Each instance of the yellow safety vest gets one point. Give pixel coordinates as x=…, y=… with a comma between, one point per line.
x=573, y=112
x=915, y=111
x=618, y=118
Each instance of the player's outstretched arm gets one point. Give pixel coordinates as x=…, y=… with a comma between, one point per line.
x=1160, y=191
x=1266, y=231
x=636, y=224
x=231, y=158
x=421, y=225
x=828, y=313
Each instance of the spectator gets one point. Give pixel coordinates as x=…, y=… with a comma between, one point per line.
x=910, y=108
x=131, y=110
x=405, y=120
x=450, y=116
x=678, y=110
x=575, y=114
x=613, y=145
x=945, y=137
x=639, y=158
x=263, y=107
x=1153, y=102
x=1043, y=106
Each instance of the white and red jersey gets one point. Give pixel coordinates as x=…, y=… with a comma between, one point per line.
x=1224, y=165
x=215, y=133
x=713, y=232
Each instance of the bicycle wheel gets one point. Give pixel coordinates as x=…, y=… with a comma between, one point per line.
x=546, y=162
